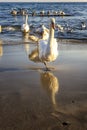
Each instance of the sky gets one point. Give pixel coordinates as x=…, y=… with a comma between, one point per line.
x=43, y=0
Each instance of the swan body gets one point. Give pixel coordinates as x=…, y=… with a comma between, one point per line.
x=35, y=39
x=48, y=49
x=83, y=25
x=41, y=29
x=68, y=29
x=42, y=12
x=23, y=11
x=60, y=28
x=48, y=12
x=25, y=27
x=62, y=13
x=14, y=12
x=44, y=34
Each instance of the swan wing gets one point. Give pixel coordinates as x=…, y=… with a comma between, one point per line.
x=42, y=48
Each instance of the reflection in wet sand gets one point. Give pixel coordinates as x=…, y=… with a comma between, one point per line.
x=26, y=45
x=1, y=49
x=27, y=48
x=26, y=37
x=34, y=55
x=50, y=84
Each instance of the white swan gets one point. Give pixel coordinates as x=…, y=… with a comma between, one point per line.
x=43, y=34
x=83, y=25
x=14, y=12
x=42, y=12
x=42, y=29
x=62, y=13
x=60, y=28
x=48, y=49
x=23, y=11
x=68, y=29
x=25, y=27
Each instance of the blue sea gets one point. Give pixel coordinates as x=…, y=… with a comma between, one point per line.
x=11, y=24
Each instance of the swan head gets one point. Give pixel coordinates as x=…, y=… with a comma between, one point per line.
x=53, y=23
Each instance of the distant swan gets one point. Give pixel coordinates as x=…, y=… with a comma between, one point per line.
x=14, y=12
x=48, y=49
x=60, y=28
x=40, y=29
x=45, y=33
x=25, y=27
x=83, y=25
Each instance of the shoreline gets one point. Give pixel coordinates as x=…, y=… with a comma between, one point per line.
x=61, y=40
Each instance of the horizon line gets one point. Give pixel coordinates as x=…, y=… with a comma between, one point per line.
x=44, y=2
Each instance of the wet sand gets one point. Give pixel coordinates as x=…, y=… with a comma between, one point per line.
x=33, y=99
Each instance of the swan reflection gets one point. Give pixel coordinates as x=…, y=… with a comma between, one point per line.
x=26, y=37
x=1, y=49
x=50, y=84
x=26, y=44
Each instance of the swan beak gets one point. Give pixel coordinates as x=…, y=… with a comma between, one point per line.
x=53, y=25
x=42, y=33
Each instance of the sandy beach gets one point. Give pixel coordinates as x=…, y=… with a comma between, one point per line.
x=34, y=99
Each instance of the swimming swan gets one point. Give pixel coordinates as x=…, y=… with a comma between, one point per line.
x=48, y=49
x=25, y=27
x=44, y=34
x=83, y=25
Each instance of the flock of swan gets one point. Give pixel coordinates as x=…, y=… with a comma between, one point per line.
x=22, y=11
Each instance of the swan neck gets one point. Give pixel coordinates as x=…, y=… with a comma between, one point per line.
x=51, y=35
